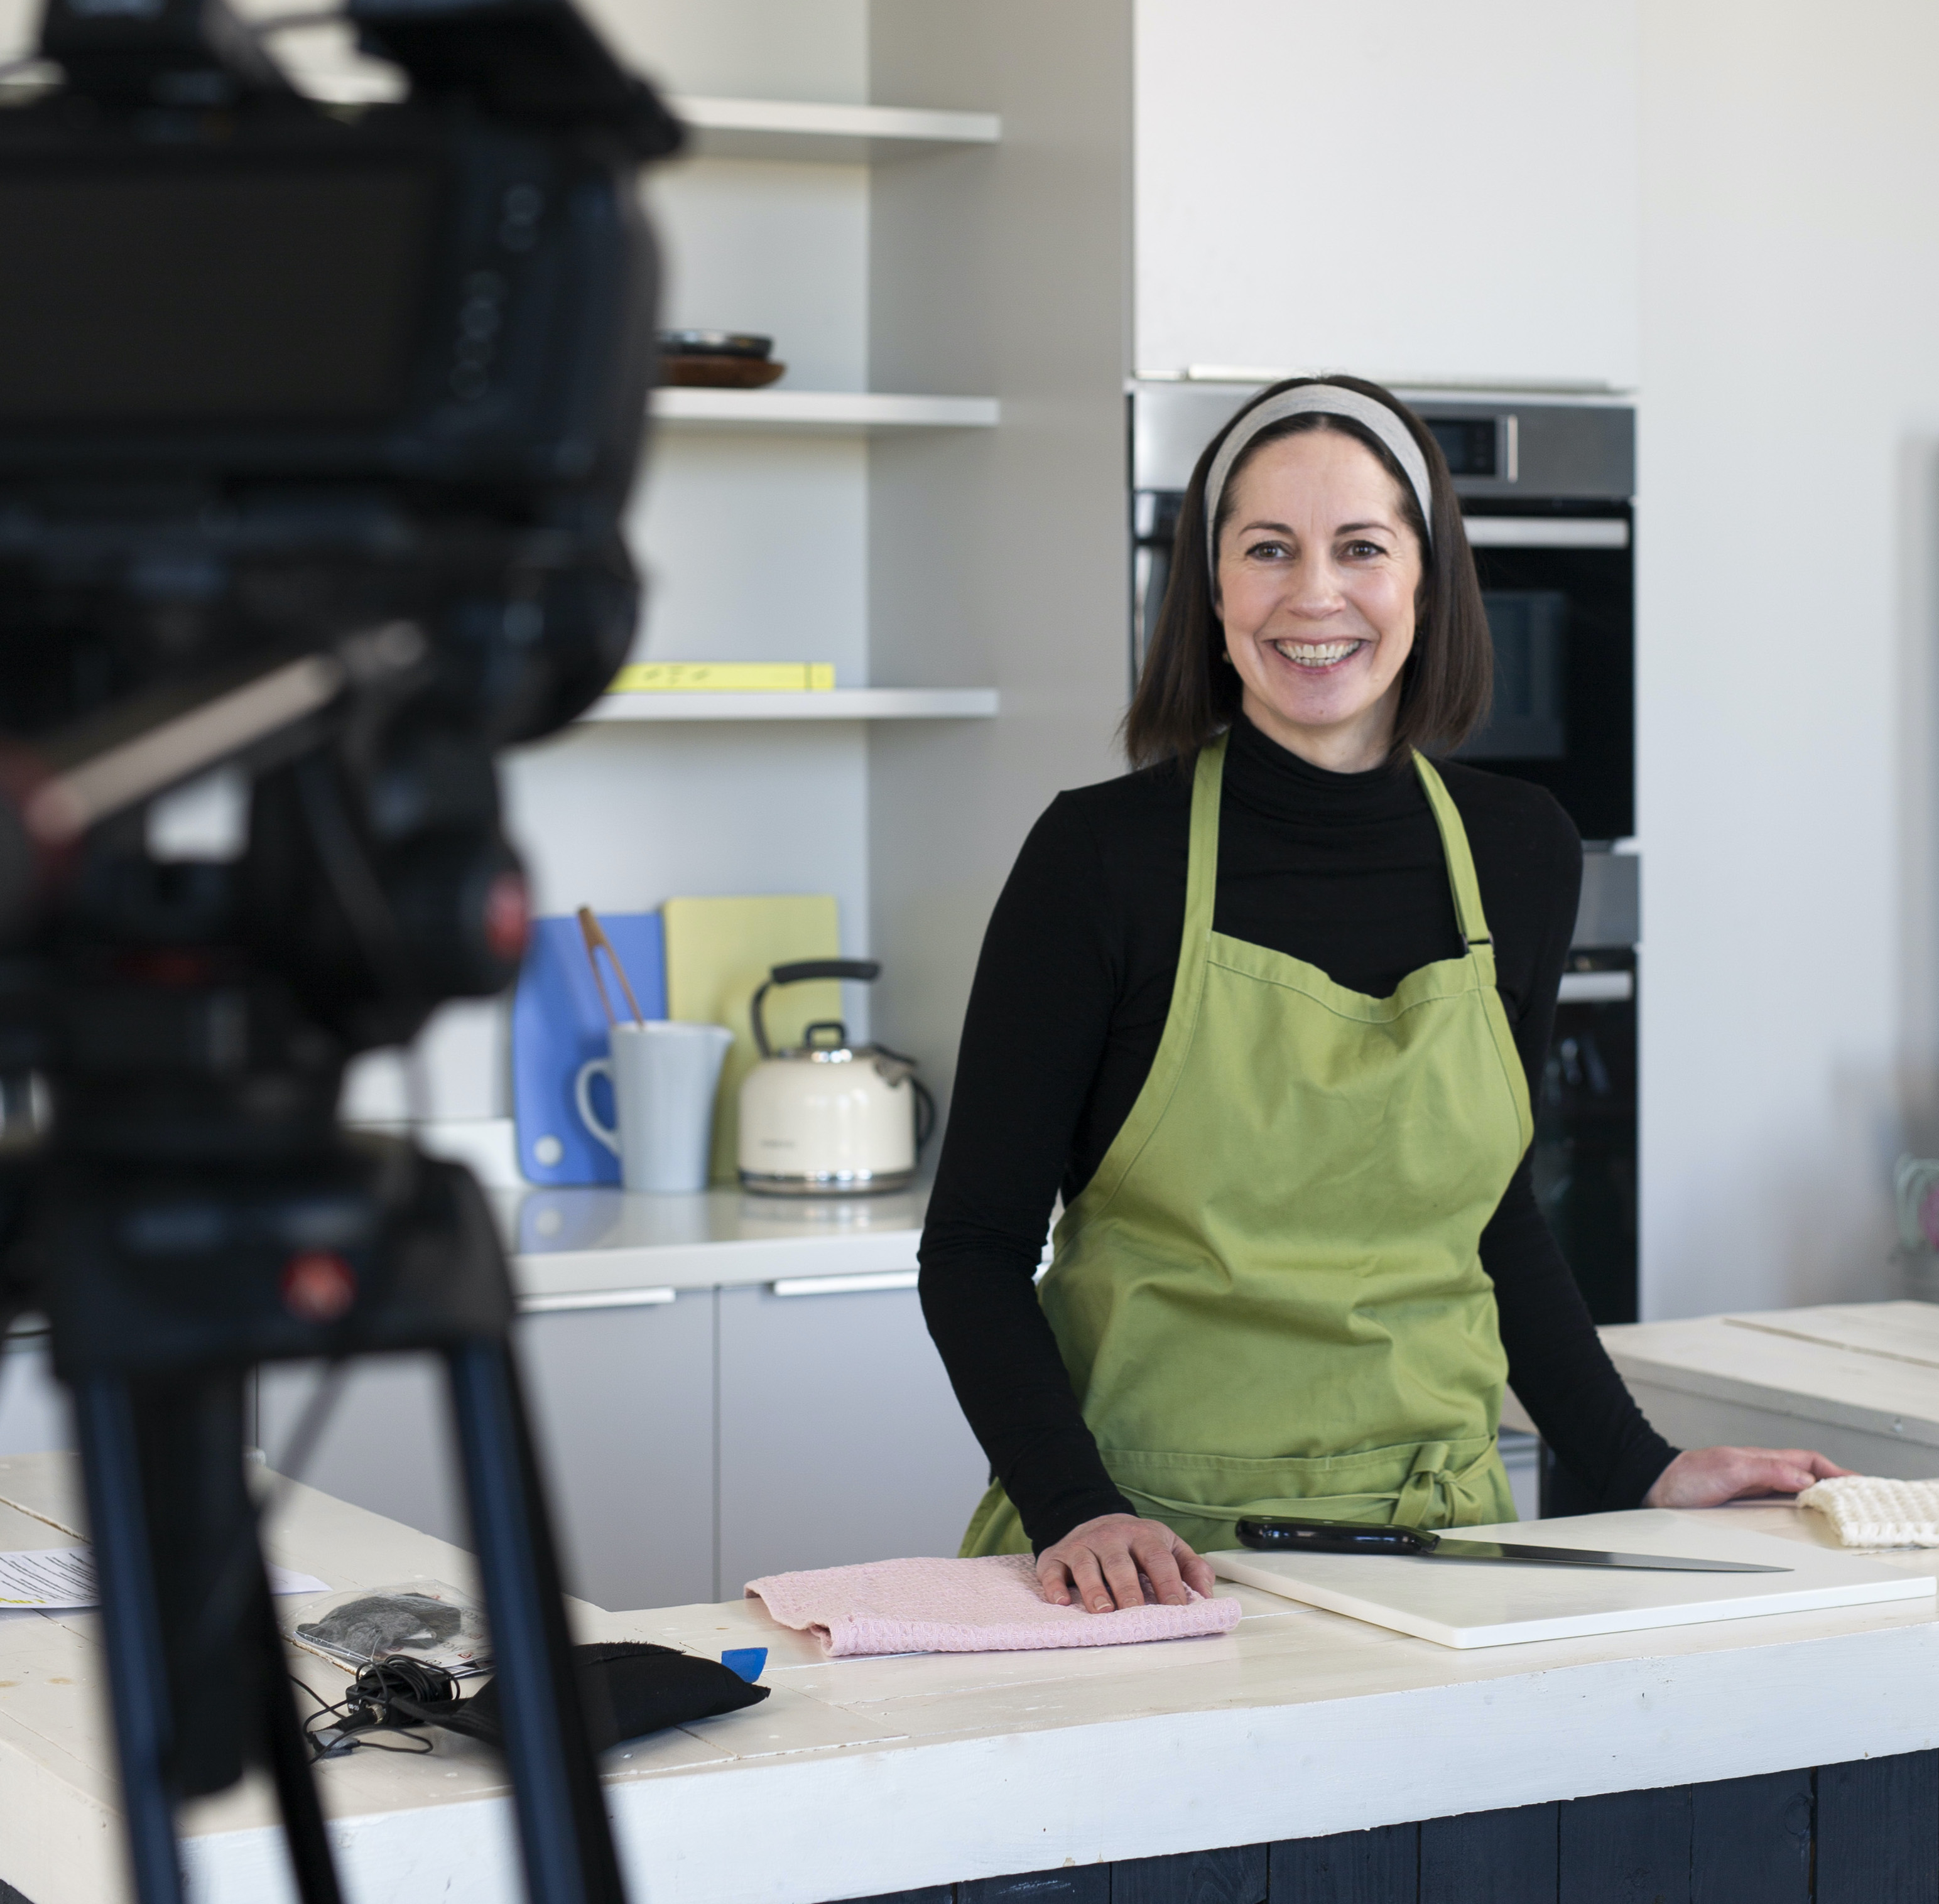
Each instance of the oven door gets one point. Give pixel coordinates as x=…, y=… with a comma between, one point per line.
x=1559, y=591
x=1585, y=1131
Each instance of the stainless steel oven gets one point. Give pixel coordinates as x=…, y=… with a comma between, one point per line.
x=1547, y=490
x=1585, y=1129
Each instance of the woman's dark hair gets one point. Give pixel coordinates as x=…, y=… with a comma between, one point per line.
x=1188, y=694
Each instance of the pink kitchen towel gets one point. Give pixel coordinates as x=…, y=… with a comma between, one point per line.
x=991, y=1605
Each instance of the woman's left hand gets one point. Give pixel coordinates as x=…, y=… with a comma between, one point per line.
x=1707, y=1478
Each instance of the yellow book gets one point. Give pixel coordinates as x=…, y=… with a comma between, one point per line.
x=718, y=952
x=724, y=677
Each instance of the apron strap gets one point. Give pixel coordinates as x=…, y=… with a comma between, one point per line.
x=1201, y=871
x=1201, y=878
x=1467, y=911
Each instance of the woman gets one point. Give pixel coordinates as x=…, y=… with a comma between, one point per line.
x=1270, y=1012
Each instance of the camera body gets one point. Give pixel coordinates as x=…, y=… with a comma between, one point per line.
x=281, y=379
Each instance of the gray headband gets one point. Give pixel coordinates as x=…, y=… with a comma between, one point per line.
x=1325, y=400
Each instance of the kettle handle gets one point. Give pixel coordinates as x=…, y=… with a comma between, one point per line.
x=862, y=971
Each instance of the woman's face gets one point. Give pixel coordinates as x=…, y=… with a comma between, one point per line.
x=1317, y=576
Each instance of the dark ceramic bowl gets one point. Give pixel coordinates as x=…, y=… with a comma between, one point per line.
x=721, y=372
x=715, y=343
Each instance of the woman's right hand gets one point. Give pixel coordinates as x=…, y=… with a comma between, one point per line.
x=1097, y=1563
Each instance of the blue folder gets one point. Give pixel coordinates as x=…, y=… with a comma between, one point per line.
x=558, y=1023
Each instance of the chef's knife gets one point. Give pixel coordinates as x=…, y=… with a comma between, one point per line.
x=1346, y=1537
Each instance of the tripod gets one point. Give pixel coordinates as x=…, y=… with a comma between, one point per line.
x=173, y=1281
x=349, y=557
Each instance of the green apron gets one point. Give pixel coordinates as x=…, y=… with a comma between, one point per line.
x=1270, y=1297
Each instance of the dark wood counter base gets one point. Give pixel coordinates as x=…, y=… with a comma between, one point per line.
x=1866, y=1832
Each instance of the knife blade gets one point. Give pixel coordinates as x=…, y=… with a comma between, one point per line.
x=1278, y=1536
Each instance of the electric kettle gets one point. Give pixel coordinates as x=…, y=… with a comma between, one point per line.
x=830, y=1119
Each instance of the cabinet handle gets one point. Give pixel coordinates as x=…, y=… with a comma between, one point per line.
x=595, y=1299
x=843, y=1285
x=1596, y=988
x=1547, y=531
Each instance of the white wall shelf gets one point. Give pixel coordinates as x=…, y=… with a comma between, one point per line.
x=839, y=705
x=843, y=412
x=831, y=134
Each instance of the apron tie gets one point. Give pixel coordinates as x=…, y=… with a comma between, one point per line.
x=1442, y=1483
x=1427, y=1478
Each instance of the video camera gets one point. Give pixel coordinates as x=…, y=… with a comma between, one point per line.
x=317, y=426
x=275, y=375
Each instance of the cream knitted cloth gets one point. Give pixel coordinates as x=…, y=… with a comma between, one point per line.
x=1867, y=1512
x=992, y=1604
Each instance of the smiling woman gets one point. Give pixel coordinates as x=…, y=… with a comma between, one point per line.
x=1436, y=691
x=1287, y=988
x=1318, y=577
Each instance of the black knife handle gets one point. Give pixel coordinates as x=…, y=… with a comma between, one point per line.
x=1272, y=1536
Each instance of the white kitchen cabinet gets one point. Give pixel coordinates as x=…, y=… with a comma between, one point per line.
x=386, y=1443
x=840, y=1439
x=33, y=1405
x=690, y=1441
x=1858, y=1382
x=1421, y=192
x=623, y=1403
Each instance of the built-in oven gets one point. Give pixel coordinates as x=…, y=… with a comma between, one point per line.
x=1585, y=1128
x=1547, y=489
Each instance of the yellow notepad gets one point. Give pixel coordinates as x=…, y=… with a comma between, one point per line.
x=718, y=952
x=724, y=677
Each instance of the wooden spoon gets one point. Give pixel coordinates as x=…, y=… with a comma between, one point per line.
x=596, y=941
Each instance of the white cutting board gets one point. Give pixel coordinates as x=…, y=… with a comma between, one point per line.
x=1464, y=1603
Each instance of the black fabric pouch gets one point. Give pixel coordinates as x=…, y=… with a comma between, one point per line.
x=627, y=1688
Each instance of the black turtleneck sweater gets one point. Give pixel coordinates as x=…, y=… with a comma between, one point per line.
x=1344, y=870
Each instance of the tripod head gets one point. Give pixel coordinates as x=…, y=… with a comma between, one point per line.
x=317, y=425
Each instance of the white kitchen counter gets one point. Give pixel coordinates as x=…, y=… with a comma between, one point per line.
x=862, y=1777
x=571, y=1240
x=1858, y=1381
x=566, y=1241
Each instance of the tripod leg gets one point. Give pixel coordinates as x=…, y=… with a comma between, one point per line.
x=563, y=1830
x=137, y=1671
x=290, y=1765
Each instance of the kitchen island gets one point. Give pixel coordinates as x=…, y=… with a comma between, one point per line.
x=1300, y=1752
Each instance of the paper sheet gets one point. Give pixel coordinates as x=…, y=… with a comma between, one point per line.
x=61, y=1579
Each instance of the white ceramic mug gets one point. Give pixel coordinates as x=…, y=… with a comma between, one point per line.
x=664, y=1074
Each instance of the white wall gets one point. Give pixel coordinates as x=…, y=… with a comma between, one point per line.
x=1415, y=191
x=1789, y=487
x=754, y=548
x=744, y=49
x=997, y=557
